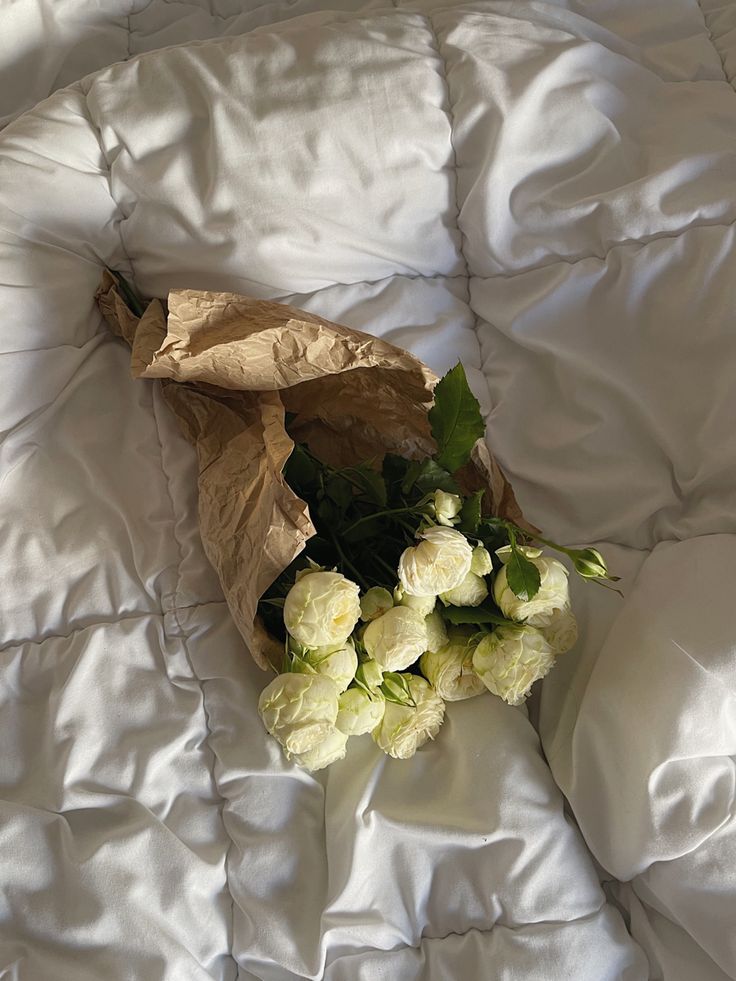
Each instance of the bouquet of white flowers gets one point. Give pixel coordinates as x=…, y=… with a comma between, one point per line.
x=369, y=548
x=407, y=597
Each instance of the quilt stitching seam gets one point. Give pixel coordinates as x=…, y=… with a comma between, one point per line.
x=112, y=622
x=634, y=242
x=463, y=237
x=714, y=45
x=454, y=164
x=183, y=639
x=108, y=168
x=226, y=17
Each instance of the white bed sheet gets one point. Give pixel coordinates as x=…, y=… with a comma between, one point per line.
x=174, y=841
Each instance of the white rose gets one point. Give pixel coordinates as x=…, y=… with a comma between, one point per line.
x=438, y=563
x=322, y=609
x=446, y=507
x=396, y=639
x=299, y=710
x=359, y=712
x=450, y=670
x=436, y=631
x=339, y=663
x=511, y=659
x=332, y=748
x=470, y=592
x=481, y=563
x=561, y=632
x=553, y=595
x=422, y=604
x=404, y=728
x=375, y=602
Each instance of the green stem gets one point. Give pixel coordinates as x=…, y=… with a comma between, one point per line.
x=410, y=528
x=570, y=552
x=379, y=514
x=554, y=545
x=330, y=470
x=386, y=566
x=347, y=563
x=324, y=466
x=514, y=530
x=600, y=582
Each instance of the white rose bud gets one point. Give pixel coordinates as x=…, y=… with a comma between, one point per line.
x=375, y=603
x=370, y=674
x=436, y=631
x=322, y=609
x=470, y=592
x=332, y=748
x=481, y=563
x=339, y=663
x=359, y=712
x=440, y=562
x=299, y=710
x=396, y=639
x=511, y=659
x=553, y=595
x=447, y=507
x=450, y=669
x=422, y=604
x=562, y=632
x=590, y=564
x=404, y=728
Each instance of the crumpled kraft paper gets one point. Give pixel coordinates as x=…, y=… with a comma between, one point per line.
x=230, y=367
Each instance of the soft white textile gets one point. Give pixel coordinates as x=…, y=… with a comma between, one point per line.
x=649, y=770
x=541, y=189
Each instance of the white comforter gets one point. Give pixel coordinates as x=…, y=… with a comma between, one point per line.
x=544, y=190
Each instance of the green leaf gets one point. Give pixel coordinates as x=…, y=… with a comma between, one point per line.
x=366, y=529
x=132, y=300
x=493, y=535
x=470, y=513
x=494, y=526
x=455, y=420
x=273, y=619
x=329, y=513
x=340, y=491
x=433, y=477
x=522, y=575
x=459, y=615
x=428, y=476
x=394, y=467
x=371, y=483
x=410, y=476
x=279, y=602
x=300, y=471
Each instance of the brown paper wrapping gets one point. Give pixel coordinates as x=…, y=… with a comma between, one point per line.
x=240, y=364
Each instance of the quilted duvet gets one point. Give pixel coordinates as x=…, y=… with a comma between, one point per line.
x=544, y=190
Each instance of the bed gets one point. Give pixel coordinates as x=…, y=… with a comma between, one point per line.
x=544, y=190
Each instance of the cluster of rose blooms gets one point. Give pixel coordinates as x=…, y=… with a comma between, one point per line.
x=386, y=662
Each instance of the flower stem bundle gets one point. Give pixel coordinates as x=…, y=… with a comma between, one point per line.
x=369, y=547
x=410, y=595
